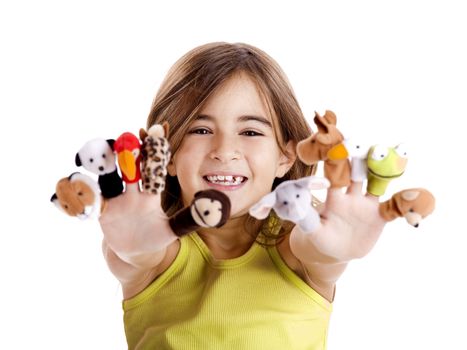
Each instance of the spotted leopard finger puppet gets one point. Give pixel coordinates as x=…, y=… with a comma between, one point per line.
x=155, y=157
x=209, y=208
x=413, y=204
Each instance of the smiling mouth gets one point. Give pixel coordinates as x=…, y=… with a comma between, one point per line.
x=385, y=176
x=225, y=180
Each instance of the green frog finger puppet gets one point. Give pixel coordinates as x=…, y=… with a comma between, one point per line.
x=384, y=164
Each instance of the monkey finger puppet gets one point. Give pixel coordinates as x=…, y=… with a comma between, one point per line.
x=413, y=204
x=78, y=195
x=128, y=150
x=97, y=156
x=209, y=208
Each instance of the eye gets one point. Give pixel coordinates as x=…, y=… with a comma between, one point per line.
x=103, y=156
x=285, y=202
x=206, y=213
x=91, y=160
x=199, y=131
x=411, y=210
x=298, y=196
x=135, y=152
x=80, y=193
x=65, y=206
x=379, y=153
x=251, y=133
x=401, y=150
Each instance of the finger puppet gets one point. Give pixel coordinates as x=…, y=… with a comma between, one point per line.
x=315, y=148
x=97, y=156
x=128, y=149
x=292, y=200
x=358, y=155
x=78, y=195
x=384, y=164
x=155, y=157
x=209, y=208
x=414, y=204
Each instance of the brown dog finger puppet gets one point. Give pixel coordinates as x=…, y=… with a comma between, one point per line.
x=128, y=150
x=315, y=148
x=209, y=208
x=413, y=204
x=78, y=195
x=155, y=157
x=97, y=156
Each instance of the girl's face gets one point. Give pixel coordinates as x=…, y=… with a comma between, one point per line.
x=231, y=147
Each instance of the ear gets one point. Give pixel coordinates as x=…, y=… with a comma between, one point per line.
x=330, y=117
x=111, y=143
x=78, y=160
x=312, y=182
x=410, y=195
x=171, y=168
x=287, y=160
x=261, y=209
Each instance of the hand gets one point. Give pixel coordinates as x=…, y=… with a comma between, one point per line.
x=350, y=224
x=134, y=223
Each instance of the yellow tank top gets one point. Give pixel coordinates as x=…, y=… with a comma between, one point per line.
x=251, y=302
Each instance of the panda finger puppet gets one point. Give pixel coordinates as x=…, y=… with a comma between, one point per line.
x=209, y=208
x=97, y=156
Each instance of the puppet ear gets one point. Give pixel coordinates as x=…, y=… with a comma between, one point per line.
x=78, y=160
x=410, y=195
x=312, y=182
x=111, y=143
x=262, y=208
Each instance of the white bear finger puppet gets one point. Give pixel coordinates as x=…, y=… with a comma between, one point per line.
x=291, y=200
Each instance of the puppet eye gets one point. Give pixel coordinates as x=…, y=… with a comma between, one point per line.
x=411, y=210
x=103, y=156
x=91, y=160
x=80, y=193
x=401, y=150
x=379, y=153
x=285, y=202
x=65, y=206
x=298, y=196
x=135, y=153
x=206, y=213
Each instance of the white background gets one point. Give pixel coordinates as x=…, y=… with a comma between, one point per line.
x=71, y=71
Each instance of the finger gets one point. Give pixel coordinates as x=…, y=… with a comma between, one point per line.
x=132, y=187
x=355, y=187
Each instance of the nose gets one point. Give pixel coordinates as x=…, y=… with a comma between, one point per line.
x=224, y=150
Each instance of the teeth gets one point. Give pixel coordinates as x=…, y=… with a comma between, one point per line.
x=227, y=180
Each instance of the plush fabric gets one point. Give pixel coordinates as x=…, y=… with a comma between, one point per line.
x=292, y=200
x=315, y=148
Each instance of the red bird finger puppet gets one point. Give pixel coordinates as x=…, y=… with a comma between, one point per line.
x=128, y=150
x=209, y=208
x=97, y=156
x=78, y=195
x=315, y=148
x=413, y=204
x=155, y=157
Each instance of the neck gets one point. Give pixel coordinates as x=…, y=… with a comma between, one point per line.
x=229, y=241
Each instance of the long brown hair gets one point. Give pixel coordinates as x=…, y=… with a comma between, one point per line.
x=197, y=75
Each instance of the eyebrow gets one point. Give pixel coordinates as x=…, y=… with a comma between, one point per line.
x=243, y=118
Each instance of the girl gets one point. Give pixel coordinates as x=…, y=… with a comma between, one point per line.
x=250, y=284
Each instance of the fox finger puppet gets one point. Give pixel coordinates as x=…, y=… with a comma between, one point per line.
x=97, y=156
x=315, y=148
x=209, y=208
x=384, y=164
x=292, y=200
x=78, y=195
x=413, y=204
x=155, y=157
x=128, y=150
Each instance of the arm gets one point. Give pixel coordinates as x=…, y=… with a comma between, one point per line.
x=350, y=227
